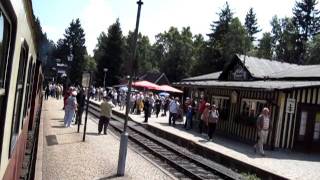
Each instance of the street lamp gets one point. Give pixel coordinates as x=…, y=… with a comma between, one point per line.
x=105, y=70
x=124, y=135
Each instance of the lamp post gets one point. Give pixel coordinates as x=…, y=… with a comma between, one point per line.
x=124, y=135
x=105, y=70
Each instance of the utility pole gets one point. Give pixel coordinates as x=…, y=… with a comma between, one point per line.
x=124, y=135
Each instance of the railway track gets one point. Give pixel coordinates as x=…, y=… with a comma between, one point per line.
x=181, y=164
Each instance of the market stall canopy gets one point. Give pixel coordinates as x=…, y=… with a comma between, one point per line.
x=168, y=88
x=146, y=84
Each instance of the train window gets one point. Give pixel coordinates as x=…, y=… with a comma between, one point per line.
x=31, y=84
x=17, y=116
x=28, y=86
x=7, y=39
x=4, y=44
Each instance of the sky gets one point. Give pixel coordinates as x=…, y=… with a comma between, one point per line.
x=156, y=15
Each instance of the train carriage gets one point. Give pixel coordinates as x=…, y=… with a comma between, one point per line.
x=20, y=89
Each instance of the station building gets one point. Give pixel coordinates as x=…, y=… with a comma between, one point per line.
x=247, y=84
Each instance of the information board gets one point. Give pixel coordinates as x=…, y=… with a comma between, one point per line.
x=291, y=103
x=85, y=80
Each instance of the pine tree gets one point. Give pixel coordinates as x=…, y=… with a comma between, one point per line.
x=109, y=54
x=306, y=18
x=220, y=28
x=265, y=46
x=251, y=24
x=74, y=39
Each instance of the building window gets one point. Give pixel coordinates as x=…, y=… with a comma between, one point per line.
x=223, y=105
x=250, y=110
x=17, y=116
x=316, y=132
x=7, y=35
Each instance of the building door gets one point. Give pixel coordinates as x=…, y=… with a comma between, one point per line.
x=307, y=136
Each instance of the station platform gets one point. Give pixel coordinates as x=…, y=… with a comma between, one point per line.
x=282, y=163
x=63, y=155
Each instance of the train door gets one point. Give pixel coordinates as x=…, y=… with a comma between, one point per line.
x=307, y=136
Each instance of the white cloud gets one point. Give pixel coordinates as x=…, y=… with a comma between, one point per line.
x=52, y=32
x=96, y=17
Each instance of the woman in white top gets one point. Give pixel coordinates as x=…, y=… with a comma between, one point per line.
x=212, y=121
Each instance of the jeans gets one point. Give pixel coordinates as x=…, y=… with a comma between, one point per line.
x=103, y=123
x=172, y=117
x=69, y=114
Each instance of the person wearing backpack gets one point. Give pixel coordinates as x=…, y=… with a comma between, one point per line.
x=263, y=123
x=212, y=121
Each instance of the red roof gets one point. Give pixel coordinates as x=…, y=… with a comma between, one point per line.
x=146, y=84
x=169, y=89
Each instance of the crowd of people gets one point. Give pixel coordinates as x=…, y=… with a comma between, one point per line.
x=150, y=104
x=53, y=90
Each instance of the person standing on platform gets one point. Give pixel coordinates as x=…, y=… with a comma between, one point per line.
x=70, y=109
x=105, y=114
x=205, y=115
x=263, y=123
x=202, y=106
x=173, y=111
x=157, y=105
x=146, y=108
x=81, y=105
x=47, y=92
x=212, y=121
x=188, y=123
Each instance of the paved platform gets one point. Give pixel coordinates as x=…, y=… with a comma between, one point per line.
x=291, y=165
x=63, y=156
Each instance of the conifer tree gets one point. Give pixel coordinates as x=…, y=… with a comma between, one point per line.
x=251, y=24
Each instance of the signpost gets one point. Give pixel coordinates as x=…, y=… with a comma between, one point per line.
x=291, y=105
x=124, y=135
x=86, y=83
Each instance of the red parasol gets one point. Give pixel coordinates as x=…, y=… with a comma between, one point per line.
x=146, y=84
x=169, y=89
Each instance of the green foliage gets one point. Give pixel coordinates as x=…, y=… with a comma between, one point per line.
x=143, y=62
x=314, y=51
x=74, y=40
x=109, y=54
x=89, y=63
x=307, y=21
x=176, y=52
x=306, y=18
x=284, y=38
x=265, y=46
x=220, y=28
x=251, y=24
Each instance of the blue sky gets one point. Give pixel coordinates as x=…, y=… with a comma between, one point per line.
x=156, y=15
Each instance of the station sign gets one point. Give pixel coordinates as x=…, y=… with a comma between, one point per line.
x=85, y=79
x=291, y=104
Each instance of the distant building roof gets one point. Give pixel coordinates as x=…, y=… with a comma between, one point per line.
x=155, y=77
x=210, y=76
x=250, y=84
x=261, y=68
x=263, y=73
x=302, y=71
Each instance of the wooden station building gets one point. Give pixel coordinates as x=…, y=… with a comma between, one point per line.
x=247, y=84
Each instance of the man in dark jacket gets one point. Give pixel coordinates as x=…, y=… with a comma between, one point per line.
x=146, y=108
x=81, y=104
